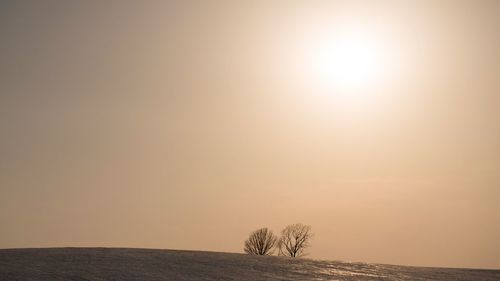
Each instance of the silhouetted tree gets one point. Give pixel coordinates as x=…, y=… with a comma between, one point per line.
x=294, y=240
x=260, y=242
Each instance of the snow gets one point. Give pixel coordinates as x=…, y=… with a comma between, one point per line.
x=150, y=264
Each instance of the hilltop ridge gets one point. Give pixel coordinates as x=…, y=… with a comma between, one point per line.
x=154, y=264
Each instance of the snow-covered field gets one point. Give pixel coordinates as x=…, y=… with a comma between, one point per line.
x=148, y=264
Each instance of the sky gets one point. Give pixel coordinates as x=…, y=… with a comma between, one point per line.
x=189, y=124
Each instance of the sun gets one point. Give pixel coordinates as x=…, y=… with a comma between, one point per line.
x=347, y=61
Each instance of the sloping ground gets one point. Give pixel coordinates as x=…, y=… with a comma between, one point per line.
x=146, y=264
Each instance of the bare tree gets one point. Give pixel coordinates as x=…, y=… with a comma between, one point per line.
x=260, y=242
x=294, y=240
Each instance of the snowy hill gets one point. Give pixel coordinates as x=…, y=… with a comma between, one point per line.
x=148, y=264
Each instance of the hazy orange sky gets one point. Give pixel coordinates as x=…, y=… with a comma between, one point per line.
x=187, y=125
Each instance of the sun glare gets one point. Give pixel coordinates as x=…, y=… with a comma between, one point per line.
x=349, y=61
